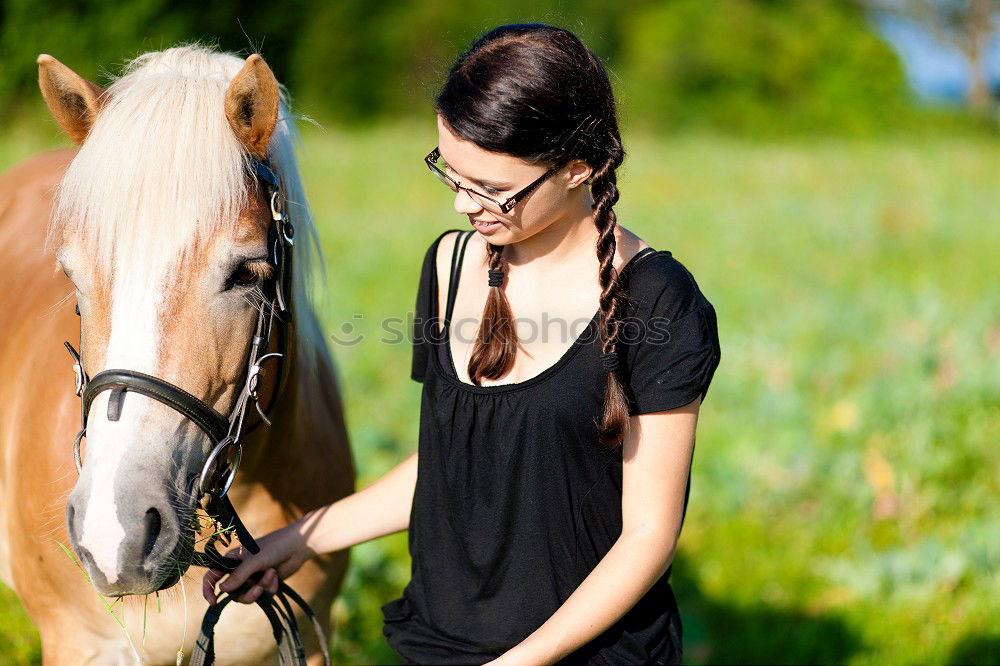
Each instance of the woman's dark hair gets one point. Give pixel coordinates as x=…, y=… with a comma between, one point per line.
x=536, y=92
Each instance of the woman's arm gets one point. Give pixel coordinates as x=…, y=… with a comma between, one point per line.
x=380, y=509
x=656, y=460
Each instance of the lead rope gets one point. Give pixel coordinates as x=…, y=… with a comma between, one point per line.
x=277, y=608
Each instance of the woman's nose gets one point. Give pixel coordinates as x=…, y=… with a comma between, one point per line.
x=465, y=204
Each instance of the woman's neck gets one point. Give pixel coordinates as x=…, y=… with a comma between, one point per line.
x=563, y=241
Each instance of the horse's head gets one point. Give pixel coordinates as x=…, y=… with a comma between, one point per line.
x=163, y=230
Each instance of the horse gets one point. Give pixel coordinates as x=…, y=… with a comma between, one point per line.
x=156, y=229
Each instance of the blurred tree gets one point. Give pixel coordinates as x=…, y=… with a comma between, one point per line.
x=350, y=59
x=88, y=36
x=361, y=60
x=740, y=65
x=760, y=66
x=966, y=25
x=96, y=37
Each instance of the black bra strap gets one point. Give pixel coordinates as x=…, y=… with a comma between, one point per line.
x=457, y=257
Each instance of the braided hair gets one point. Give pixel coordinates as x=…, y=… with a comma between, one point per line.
x=537, y=92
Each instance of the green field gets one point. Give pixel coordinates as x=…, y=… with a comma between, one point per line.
x=844, y=506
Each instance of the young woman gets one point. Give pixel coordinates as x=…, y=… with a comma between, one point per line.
x=550, y=483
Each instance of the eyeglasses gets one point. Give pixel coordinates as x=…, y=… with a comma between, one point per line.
x=438, y=166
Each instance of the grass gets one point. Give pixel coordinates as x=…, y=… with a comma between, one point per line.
x=843, y=506
x=109, y=607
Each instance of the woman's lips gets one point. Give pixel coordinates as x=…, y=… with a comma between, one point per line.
x=485, y=226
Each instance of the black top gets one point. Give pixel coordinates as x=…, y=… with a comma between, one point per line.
x=516, y=500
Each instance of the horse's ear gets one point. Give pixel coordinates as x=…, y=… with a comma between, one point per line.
x=252, y=105
x=73, y=100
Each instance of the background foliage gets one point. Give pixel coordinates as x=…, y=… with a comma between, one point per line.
x=843, y=506
x=746, y=66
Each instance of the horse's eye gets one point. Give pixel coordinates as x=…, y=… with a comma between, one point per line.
x=250, y=273
x=243, y=277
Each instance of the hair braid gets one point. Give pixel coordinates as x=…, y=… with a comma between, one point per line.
x=496, y=342
x=604, y=188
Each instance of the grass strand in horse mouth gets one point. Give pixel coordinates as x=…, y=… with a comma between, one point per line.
x=118, y=620
x=180, y=650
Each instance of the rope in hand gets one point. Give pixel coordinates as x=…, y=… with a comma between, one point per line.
x=277, y=607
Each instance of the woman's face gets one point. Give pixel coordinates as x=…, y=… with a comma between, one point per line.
x=501, y=176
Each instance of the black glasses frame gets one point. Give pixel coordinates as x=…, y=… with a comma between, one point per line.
x=504, y=206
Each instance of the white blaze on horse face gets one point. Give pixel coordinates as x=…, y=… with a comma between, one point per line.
x=133, y=344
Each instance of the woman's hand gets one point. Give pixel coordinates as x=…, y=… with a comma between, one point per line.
x=281, y=554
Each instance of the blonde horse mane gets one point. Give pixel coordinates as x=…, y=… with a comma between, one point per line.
x=162, y=171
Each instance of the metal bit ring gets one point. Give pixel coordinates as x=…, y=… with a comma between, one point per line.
x=211, y=460
x=76, y=449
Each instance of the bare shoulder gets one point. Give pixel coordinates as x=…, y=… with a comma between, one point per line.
x=444, y=250
x=629, y=245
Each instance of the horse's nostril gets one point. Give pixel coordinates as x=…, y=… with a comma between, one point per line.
x=152, y=520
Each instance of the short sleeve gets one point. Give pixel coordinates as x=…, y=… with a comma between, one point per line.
x=671, y=339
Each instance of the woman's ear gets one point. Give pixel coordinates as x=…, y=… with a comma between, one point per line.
x=579, y=172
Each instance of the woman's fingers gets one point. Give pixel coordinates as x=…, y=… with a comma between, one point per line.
x=247, y=567
x=212, y=576
x=270, y=581
x=251, y=595
x=268, y=565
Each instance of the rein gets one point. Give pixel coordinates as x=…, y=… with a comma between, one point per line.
x=225, y=434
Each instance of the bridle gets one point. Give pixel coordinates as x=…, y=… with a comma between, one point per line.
x=225, y=433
